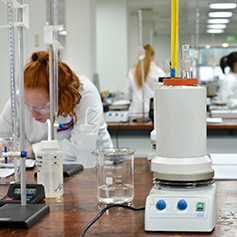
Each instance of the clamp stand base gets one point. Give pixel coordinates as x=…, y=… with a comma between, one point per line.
x=18, y=216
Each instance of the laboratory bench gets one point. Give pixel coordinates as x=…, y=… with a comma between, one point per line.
x=221, y=137
x=131, y=125
x=70, y=213
x=225, y=124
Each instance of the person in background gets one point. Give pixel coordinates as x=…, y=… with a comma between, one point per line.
x=75, y=94
x=133, y=87
x=228, y=86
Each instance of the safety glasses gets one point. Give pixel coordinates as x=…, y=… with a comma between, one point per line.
x=43, y=109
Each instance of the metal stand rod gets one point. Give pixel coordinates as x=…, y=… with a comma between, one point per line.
x=143, y=119
x=51, y=90
x=197, y=40
x=55, y=68
x=22, y=109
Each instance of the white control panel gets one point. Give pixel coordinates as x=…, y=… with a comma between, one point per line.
x=117, y=116
x=178, y=207
x=181, y=209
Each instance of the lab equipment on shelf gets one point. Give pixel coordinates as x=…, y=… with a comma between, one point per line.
x=118, y=112
x=219, y=109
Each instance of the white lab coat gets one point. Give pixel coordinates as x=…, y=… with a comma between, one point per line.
x=133, y=93
x=228, y=90
x=36, y=131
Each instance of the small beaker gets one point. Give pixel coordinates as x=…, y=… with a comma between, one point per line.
x=9, y=166
x=115, y=174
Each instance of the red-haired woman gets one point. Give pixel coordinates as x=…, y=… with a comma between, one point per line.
x=75, y=95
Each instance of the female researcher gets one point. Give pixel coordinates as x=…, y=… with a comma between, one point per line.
x=75, y=96
x=228, y=87
x=133, y=88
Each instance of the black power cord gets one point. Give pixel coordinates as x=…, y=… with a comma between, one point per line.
x=103, y=211
x=117, y=132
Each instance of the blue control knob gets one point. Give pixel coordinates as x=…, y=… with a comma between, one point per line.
x=161, y=205
x=61, y=125
x=182, y=205
x=24, y=154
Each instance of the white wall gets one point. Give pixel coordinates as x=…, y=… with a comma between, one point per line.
x=79, y=41
x=38, y=17
x=111, y=44
x=133, y=36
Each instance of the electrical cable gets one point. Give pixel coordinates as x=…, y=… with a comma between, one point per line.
x=117, y=134
x=104, y=210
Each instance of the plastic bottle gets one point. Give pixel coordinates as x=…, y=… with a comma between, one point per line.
x=50, y=167
x=86, y=144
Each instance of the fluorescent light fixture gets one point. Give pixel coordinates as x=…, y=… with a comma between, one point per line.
x=218, y=21
x=62, y=32
x=220, y=14
x=225, y=45
x=215, y=31
x=216, y=26
x=223, y=5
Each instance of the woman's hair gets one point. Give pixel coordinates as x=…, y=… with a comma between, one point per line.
x=36, y=75
x=146, y=61
x=228, y=60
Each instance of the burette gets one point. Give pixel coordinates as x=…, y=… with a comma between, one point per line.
x=55, y=61
x=51, y=38
x=11, y=37
x=141, y=57
x=53, y=73
x=13, y=93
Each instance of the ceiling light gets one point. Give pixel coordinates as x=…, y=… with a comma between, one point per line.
x=225, y=45
x=63, y=32
x=220, y=14
x=218, y=21
x=207, y=46
x=216, y=26
x=215, y=31
x=223, y=5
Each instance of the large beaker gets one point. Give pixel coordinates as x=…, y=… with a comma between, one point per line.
x=115, y=174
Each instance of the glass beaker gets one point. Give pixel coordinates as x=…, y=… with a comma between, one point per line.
x=9, y=167
x=115, y=174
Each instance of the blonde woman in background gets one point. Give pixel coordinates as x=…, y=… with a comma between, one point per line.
x=133, y=88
